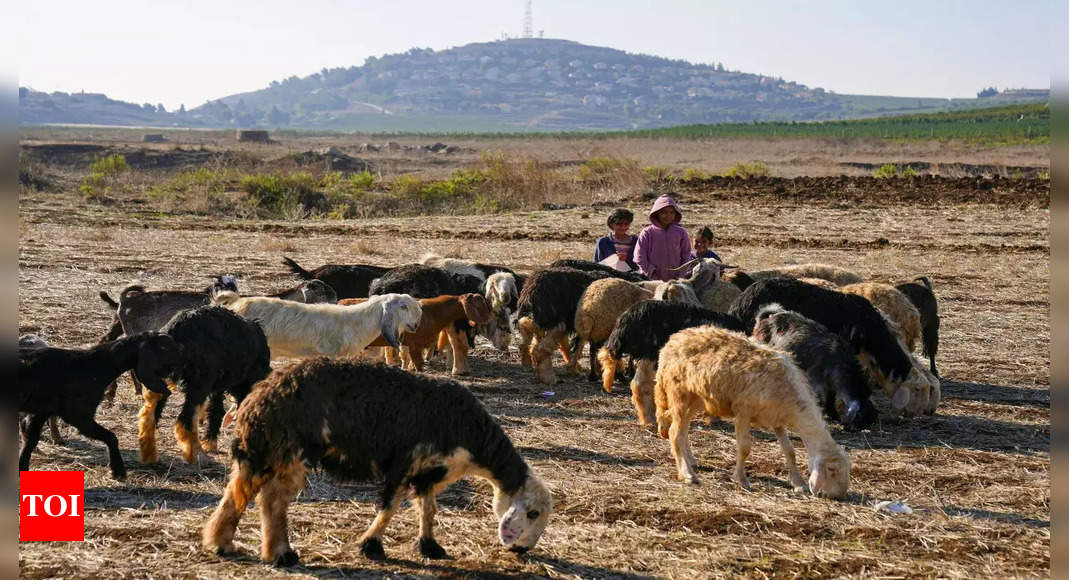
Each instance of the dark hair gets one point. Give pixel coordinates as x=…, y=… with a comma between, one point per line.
x=705, y=233
x=620, y=214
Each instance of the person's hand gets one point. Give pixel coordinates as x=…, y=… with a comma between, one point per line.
x=622, y=255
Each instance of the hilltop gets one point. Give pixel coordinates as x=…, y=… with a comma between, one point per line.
x=510, y=85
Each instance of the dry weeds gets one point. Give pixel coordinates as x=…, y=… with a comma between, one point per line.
x=977, y=474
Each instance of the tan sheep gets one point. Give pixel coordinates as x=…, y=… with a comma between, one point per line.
x=820, y=282
x=724, y=374
x=599, y=308
x=835, y=274
x=895, y=305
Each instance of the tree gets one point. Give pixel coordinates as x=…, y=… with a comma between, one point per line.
x=160, y=109
x=182, y=110
x=988, y=92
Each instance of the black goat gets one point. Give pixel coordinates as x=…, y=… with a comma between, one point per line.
x=70, y=383
x=33, y=342
x=827, y=359
x=921, y=293
x=221, y=353
x=362, y=421
x=546, y=314
x=640, y=332
x=588, y=266
x=309, y=292
x=348, y=281
x=857, y=321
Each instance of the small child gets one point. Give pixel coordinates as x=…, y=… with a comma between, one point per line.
x=703, y=238
x=618, y=241
x=663, y=245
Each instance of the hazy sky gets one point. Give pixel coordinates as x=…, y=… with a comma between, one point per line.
x=192, y=51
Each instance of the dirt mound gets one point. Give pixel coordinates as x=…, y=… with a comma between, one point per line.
x=868, y=191
x=332, y=159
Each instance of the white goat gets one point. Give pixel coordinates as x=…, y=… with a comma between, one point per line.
x=299, y=330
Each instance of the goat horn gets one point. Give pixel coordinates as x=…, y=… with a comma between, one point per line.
x=685, y=266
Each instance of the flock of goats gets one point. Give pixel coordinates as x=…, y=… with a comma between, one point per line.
x=777, y=349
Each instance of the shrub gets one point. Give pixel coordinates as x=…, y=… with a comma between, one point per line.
x=909, y=172
x=110, y=166
x=656, y=174
x=693, y=174
x=604, y=170
x=103, y=176
x=277, y=193
x=362, y=181
x=885, y=171
x=747, y=170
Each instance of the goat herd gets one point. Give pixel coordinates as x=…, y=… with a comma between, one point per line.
x=778, y=349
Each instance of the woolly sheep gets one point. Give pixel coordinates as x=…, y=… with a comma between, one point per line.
x=599, y=308
x=724, y=374
x=361, y=421
x=896, y=305
x=835, y=274
x=348, y=281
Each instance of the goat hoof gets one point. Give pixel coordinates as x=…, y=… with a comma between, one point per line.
x=286, y=559
x=118, y=474
x=519, y=549
x=225, y=551
x=372, y=549
x=744, y=484
x=691, y=479
x=429, y=548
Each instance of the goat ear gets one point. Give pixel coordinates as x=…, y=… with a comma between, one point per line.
x=389, y=324
x=150, y=371
x=475, y=308
x=900, y=399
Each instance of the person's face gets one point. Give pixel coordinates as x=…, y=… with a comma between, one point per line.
x=701, y=245
x=619, y=228
x=666, y=216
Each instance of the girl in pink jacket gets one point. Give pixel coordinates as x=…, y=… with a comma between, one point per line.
x=664, y=244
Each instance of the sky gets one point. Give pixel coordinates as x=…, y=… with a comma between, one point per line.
x=191, y=51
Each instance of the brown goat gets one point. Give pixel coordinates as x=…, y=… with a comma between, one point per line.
x=439, y=314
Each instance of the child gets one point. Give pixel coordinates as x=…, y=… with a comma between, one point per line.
x=703, y=238
x=618, y=241
x=664, y=244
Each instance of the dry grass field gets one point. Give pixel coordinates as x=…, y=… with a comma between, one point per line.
x=977, y=474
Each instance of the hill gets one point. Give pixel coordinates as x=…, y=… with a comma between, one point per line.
x=511, y=85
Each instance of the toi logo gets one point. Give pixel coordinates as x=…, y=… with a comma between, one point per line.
x=51, y=506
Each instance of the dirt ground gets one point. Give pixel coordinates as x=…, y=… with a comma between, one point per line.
x=977, y=474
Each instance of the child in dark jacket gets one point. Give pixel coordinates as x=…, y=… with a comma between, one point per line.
x=703, y=238
x=618, y=241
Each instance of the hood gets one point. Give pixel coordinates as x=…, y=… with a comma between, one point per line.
x=661, y=203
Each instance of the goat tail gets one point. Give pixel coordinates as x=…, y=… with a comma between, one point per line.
x=108, y=300
x=767, y=310
x=296, y=268
x=225, y=298
x=925, y=280
x=608, y=368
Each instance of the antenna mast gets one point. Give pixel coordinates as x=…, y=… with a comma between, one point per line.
x=528, y=21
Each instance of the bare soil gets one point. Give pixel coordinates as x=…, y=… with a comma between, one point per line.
x=977, y=474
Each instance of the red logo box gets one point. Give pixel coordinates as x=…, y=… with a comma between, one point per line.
x=51, y=506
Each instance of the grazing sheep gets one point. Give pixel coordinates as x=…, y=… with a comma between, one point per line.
x=221, y=353
x=724, y=374
x=440, y=314
x=676, y=291
x=70, y=383
x=309, y=292
x=599, y=307
x=500, y=285
x=361, y=421
x=856, y=320
x=300, y=330
x=641, y=331
x=922, y=295
x=551, y=299
x=348, y=281
x=588, y=266
x=893, y=303
x=34, y=342
x=835, y=274
x=827, y=359
x=503, y=291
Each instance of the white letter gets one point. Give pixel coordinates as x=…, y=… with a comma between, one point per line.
x=74, y=505
x=62, y=503
x=33, y=504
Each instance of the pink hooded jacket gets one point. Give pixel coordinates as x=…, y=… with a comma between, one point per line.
x=658, y=249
